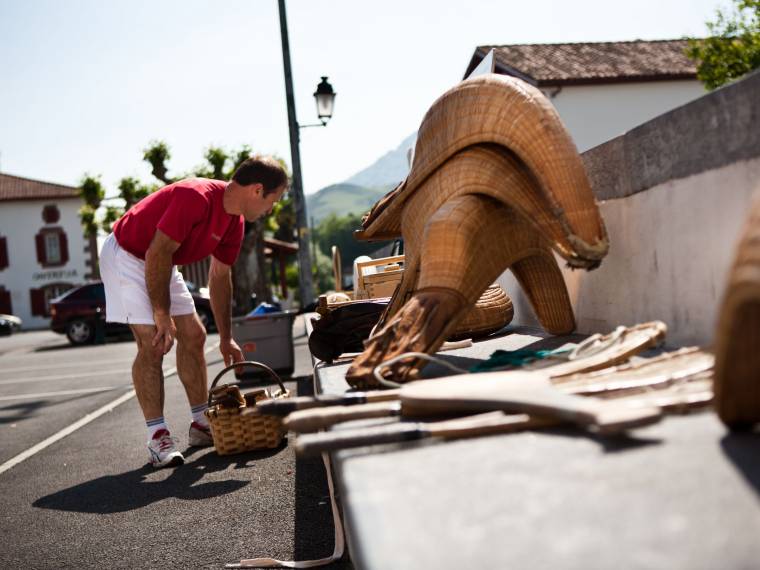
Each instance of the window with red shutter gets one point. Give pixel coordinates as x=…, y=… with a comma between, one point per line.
x=64, y=246
x=52, y=247
x=39, y=242
x=39, y=307
x=3, y=253
x=5, y=301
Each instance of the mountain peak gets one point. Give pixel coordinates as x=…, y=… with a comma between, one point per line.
x=389, y=169
x=357, y=194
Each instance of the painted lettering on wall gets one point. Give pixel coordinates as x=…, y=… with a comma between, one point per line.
x=55, y=275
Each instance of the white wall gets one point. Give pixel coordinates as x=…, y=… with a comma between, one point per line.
x=594, y=114
x=671, y=248
x=20, y=221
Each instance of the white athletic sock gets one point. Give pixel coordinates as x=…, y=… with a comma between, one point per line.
x=154, y=425
x=198, y=414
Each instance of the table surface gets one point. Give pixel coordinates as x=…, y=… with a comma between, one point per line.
x=683, y=493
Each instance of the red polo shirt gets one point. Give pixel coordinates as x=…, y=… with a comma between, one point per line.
x=190, y=212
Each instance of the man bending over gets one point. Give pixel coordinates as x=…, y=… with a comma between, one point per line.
x=177, y=225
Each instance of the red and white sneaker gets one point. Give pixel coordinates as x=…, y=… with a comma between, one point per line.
x=199, y=436
x=162, y=451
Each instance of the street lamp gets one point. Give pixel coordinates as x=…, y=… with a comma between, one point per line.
x=325, y=97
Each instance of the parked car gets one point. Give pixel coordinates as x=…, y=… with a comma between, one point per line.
x=202, y=305
x=78, y=312
x=9, y=324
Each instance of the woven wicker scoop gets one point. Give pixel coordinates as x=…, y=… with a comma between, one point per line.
x=496, y=184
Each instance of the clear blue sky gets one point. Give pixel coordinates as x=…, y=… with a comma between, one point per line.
x=86, y=84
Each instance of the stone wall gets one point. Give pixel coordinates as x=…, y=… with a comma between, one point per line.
x=674, y=193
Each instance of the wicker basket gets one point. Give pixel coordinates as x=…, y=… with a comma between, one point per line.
x=236, y=425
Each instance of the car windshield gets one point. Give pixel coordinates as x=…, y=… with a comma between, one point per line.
x=91, y=292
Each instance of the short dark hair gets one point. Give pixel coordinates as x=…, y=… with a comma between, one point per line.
x=264, y=170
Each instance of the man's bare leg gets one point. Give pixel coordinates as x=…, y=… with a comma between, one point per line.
x=147, y=375
x=191, y=361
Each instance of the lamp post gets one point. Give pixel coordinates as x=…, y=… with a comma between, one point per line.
x=324, y=96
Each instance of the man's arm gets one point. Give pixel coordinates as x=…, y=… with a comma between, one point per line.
x=220, y=291
x=158, y=270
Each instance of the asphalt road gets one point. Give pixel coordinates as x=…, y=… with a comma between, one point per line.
x=91, y=499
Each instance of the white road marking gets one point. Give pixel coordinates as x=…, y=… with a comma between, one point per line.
x=24, y=455
x=66, y=431
x=64, y=376
x=59, y=393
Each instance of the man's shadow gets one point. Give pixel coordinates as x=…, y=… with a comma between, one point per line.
x=131, y=490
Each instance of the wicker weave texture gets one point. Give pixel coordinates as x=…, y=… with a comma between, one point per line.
x=467, y=243
x=235, y=432
x=471, y=240
x=491, y=171
x=236, y=425
x=492, y=311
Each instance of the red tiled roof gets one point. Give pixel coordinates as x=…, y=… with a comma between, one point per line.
x=18, y=188
x=586, y=63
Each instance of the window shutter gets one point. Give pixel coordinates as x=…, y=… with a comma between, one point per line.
x=64, y=245
x=5, y=302
x=38, y=302
x=3, y=253
x=41, y=252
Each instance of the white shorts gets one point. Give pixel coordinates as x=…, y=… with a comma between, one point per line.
x=127, y=298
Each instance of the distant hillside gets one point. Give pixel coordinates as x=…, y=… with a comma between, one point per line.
x=388, y=170
x=342, y=199
x=359, y=193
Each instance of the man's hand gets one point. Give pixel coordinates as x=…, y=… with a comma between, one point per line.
x=230, y=352
x=158, y=271
x=165, y=332
x=220, y=290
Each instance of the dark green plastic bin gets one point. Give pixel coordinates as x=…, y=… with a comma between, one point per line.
x=268, y=339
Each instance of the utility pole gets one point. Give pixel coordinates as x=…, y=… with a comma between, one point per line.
x=305, y=286
x=312, y=229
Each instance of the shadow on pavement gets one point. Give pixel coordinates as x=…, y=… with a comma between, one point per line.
x=610, y=443
x=130, y=491
x=743, y=449
x=20, y=411
x=313, y=505
x=26, y=410
x=65, y=345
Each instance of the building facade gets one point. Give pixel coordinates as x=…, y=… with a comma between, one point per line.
x=42, y=248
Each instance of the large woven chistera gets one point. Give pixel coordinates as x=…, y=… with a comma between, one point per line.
x=236, y=425
x=737, y=343
x=496, y=183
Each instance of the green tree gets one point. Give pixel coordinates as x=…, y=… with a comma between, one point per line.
x=335, y=230
x=92, y=193
x=322, y=274
x=157, y=154
x=132, y=191
x=733, y=48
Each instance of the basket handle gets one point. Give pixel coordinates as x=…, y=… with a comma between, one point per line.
x=226, y=369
